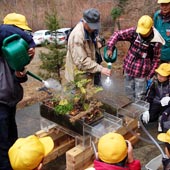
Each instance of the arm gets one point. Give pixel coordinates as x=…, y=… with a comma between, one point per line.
x=122, y=35
x=151, y=92
x=81, y=58
x=131, y=162
x=156, y=59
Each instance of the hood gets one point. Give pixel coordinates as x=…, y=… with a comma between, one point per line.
x=157, y=37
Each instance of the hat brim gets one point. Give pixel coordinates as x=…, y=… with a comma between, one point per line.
x=160, y=2
x=163, y=137
x=94, y=26
x=48, y=144
x=142, y=31
x=24, y=27
x=162, y=73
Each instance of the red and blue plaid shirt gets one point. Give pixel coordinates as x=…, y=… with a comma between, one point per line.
x=139, y=62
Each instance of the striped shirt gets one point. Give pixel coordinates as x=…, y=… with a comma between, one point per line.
x=143, y=56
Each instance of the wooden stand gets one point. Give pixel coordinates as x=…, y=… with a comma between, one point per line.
x=79, y=157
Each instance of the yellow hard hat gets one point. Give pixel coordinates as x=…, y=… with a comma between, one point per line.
x=163, y=1
x=17, y=20
x=145, y=24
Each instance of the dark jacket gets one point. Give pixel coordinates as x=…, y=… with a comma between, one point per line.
x=157, y=91
x=11, y=92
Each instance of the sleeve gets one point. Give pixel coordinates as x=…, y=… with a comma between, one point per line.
x=28, y=38
x=151, y=93
x=156, y=59
x=81, y=58
x=135, y=165
x=122, y=35
x=21, y=79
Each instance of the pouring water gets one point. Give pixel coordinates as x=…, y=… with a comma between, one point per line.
x=52, y=83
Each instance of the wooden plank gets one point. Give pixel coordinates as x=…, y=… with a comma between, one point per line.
x=79, y=158
x=62, y=143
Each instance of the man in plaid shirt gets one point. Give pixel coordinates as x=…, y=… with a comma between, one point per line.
x=143, y=56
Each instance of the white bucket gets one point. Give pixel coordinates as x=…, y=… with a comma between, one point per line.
x=155, y=163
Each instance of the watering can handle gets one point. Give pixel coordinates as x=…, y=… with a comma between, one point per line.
x=34, y=76
x=10, y=39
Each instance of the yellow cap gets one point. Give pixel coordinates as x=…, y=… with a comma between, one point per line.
x=163, y=69
x=164, y=137
x=112, y=148
x=163, y=1
x=17, y=20
x=145, y=24
x=27, y=153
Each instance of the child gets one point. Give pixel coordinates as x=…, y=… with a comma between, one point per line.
x=159, y=96
x=28, y=153
x=115, y=153
x=165, y=137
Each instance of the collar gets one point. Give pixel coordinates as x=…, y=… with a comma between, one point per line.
x=165, y=18
x=90, y=37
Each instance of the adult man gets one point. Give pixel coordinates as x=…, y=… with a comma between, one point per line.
x=162, y=24
x=11, y=91
x=143, y=55
x=81, y=46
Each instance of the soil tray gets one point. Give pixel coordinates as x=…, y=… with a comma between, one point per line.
x=64, y=120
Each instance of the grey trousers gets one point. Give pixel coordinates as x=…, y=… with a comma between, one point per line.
x=135, y=88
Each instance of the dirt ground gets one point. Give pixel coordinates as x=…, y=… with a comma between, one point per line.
x=32, y=94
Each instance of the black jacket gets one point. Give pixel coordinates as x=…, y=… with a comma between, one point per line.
x=11, y=91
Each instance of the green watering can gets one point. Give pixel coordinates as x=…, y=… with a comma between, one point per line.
x=15, y=51
x=111, y=59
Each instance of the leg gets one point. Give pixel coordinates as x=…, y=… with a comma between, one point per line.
x=140, y=88
x=97, y=79
x=154, y=111
x=5, y=141
x=13, y=133
x=129, y=86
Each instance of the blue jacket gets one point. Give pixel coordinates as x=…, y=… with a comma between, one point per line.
x=11, y=91
x=163, y=26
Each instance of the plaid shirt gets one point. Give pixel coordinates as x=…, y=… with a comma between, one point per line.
x=138, y=62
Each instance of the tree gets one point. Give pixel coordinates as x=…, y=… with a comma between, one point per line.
x=52, y=61
x=117, y=11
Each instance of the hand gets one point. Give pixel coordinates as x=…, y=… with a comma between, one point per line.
x=130, y=152
x=31, y=52
x=106, y=71
x=109, y=53
x=146, y=116
x=165, y=100
x=20, y=73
